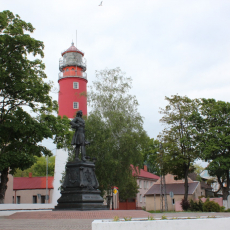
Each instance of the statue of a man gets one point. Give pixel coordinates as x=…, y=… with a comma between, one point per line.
x=79, y=136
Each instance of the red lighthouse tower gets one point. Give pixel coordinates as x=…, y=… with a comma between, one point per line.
x=72, y=83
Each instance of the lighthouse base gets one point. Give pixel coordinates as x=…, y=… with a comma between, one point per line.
x=80, y=188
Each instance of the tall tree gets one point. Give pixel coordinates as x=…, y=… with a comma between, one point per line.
x=213, y=126
x=179, y=137
x=25, y=105
x=115, y=128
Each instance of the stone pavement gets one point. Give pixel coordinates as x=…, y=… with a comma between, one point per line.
x=59, y=220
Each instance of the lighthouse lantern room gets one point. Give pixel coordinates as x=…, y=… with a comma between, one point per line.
x=72, y=81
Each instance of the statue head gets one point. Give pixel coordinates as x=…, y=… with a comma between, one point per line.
x=79, y=113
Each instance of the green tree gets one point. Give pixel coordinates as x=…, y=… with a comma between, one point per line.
x=213, y=126
x=26, y=109
x=179, y=137
x=115, y=129
x=151, y=156
x=38, y=168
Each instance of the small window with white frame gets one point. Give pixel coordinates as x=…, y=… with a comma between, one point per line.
x=76, y=85
x=140, y=198
x=76, y=105
x=139, y=183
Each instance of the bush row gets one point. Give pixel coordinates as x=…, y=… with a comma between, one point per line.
x=200, y=206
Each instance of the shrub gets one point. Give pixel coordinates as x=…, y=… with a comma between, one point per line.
x=211, y=206
x=222, y=209
x=185, y=205
x=196, y=206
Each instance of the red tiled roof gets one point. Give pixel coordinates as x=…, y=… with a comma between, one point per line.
x=22, y=183
x=72, y=48
x=144, y=174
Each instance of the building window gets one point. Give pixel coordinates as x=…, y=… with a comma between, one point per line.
x=139, y=183
x=147, y=184
x=140, y=198
x=18, y=200
x=144, y=184
x=43, y=199
x=67, y=69
x=75, y=105
x=72, y=68
x=75, y=85
x=13, y=200
x=35, y=201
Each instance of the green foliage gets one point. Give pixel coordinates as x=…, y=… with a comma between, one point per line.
x=222, y=209
x=151, y=155
x=213, y=126
x=115, y=129
x=129, y=189
x=198, y=168
x=38, y=168
x=127, y=218
x=26, y=108
x=151, y=218
x=179, y=138
x=196, y=206
x=211, y=206
x=164, y=217
x=185, y=205
x=116, y=218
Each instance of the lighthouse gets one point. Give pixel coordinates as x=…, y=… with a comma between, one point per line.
x=72, y=80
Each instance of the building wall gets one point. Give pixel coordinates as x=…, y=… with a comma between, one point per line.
x=144, y=185
x=152, y=204
x=26, y=196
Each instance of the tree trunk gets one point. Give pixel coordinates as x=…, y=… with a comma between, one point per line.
x=225, y=190
x=186, y=184
x=3, y=184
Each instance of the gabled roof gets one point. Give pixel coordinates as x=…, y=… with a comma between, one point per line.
x=23, y=183
x=144, y=174
x=177, y=189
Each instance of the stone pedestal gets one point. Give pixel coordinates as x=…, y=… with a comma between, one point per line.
x=80, y=188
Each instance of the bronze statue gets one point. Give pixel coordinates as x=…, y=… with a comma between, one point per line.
x=79, y=136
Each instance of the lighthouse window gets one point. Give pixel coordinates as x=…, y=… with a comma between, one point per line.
x=75, y=105
x=76, y=85
x=67, y=69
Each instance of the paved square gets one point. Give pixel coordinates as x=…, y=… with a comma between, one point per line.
x=59, y=220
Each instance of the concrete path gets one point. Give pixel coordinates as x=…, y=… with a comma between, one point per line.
x=59, y=220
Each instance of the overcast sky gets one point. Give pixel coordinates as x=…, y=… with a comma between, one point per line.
x=168, y=47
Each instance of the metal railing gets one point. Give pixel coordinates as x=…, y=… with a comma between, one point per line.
x=60, y=75
x=63, y=63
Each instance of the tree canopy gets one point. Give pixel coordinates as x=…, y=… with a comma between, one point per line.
x=38, y=168
x=213, y=126
x=179, y=137
x=115, y=129
x=26, y=108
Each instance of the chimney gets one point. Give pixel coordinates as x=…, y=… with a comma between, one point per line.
x=145, y=168
x=30, y=174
